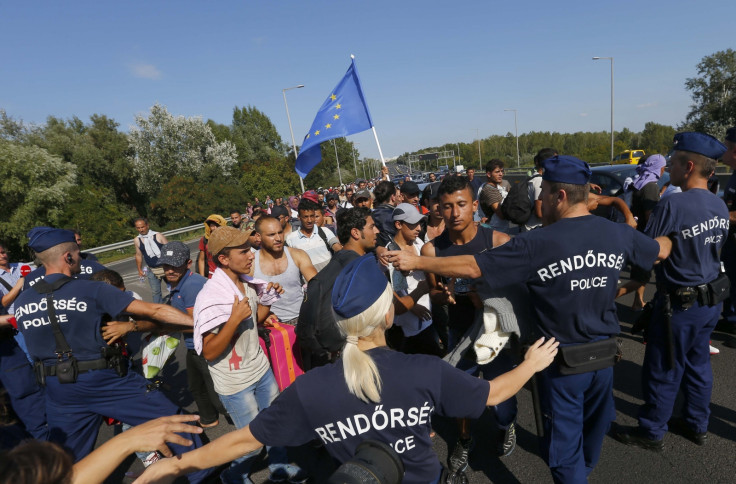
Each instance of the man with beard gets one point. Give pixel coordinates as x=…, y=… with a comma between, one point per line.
x=284, y=265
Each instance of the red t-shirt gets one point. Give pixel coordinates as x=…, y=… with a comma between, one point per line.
x=208, y=257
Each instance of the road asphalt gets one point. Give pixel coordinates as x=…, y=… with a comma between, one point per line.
x=681, y=461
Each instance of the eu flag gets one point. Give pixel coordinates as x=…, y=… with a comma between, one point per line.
x=343, y=113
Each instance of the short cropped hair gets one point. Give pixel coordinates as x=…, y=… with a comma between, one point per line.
x=453, y=183
x=575, y=193
x=109, y=276
x=263, y=219
x=352, y=218
x=544, y=154
x=706, y=165
x=306, y=205
x=493, y=164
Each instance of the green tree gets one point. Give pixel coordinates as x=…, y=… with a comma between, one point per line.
x=714, y=101
x=325, y=173
x=254, y=135
x=656, y=138
x=34, y=186
x=165, y=146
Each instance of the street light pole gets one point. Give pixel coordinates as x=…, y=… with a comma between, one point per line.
x=480, y=157
x=516, y=130
x=291, y=130
x=355, y=167
x=611, y=59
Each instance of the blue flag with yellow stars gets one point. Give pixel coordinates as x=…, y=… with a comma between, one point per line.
x=344, y=112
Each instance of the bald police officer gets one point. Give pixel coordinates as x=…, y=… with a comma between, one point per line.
x=571, y=267
x=690, y=290
x=84, y=378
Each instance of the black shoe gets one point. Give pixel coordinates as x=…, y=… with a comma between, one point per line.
x=506, y=441
x=635, y=436
x=725, y=326
x=730, y=342
x=457, y=478
x=680, y=427
x=458, y=460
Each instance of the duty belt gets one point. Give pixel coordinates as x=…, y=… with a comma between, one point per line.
x=84, y=366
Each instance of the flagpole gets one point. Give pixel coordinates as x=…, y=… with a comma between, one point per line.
x=380, y=153
x=338, y=161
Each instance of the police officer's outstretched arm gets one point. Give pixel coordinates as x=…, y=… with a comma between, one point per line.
x=147, y=437
x=159, y=312
x=455, y=266
x=539, y=356
x=220, y=451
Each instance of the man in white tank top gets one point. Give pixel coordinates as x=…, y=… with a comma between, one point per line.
x=285, y=265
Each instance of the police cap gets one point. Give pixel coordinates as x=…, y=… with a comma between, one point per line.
x=700, y=143
x=358, y=286
x=566, y=169
x=42, y=238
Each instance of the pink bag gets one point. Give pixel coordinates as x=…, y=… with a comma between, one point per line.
x=279, y=344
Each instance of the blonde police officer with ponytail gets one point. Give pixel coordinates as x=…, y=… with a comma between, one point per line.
x=374, y=392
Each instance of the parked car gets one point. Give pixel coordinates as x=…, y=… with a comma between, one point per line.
x=631, y=157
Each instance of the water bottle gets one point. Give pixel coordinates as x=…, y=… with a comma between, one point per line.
x=145, y=274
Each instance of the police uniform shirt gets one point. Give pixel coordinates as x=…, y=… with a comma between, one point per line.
x=414, y=387
x=571, y=268
x=80, y=306
x=698, y=222
x=183, y=297
x=729, y=196
x=87, y=268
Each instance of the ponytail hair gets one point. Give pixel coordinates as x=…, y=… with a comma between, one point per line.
x=361, y=374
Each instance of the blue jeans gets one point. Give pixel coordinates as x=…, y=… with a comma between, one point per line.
x=155, y=284
x=243, y=408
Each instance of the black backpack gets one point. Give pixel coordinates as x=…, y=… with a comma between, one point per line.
x=517, y=206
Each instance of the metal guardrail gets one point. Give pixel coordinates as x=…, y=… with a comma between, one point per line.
x=128, y=243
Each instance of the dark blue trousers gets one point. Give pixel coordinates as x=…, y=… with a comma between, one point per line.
x=691, y=331
x=578, y=411
x=728, y=257
x=26, y=396
x=506, y=411
x=75, y=410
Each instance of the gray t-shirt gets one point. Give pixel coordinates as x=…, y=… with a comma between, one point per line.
x=243, y=362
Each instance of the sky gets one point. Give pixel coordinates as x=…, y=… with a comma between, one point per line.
x=432, y=72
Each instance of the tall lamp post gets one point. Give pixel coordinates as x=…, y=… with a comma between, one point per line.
x=611, y=59
x=291, y=130
x=516, y=130
x=480, y=157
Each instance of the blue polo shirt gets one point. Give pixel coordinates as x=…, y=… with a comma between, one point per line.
x=80, y=306
x=87, y=268
x=571, y=268
x=698, y=222
x=183, y=297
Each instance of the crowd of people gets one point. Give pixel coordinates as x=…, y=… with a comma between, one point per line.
x=404, y=302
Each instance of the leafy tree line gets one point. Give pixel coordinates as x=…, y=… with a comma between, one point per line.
x=176, y=170
x=593, y=147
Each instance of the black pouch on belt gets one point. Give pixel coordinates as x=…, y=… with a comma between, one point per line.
x=719, y=289
x=67, y=370
x=582, y=358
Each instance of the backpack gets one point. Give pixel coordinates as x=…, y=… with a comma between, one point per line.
x=517, y=206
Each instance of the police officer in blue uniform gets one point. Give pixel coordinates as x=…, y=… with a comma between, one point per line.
x=690, y=290
x=84, y=379
x=728, y=254
x=571, y=268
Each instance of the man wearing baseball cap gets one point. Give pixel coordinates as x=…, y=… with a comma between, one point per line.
x=416, y=325
x=410, y=193
x=362, y=198
x=226, y=313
